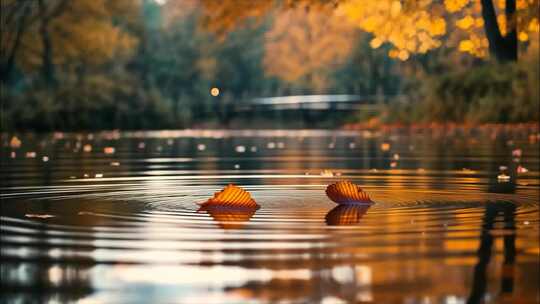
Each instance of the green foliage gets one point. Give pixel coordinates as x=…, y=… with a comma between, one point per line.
x=367, y=72
x=98, y=102
x=490, y=93
x=139, y=65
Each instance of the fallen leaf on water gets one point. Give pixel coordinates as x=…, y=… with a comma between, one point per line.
x=502, y=178
x=327, y=173
x=517, y=152
x=15, y=142
x=344, y=192
x=521, y=169
x=231, y=196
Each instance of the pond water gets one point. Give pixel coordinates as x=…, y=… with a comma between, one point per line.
x=112, y=217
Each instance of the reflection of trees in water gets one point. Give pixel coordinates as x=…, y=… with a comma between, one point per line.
x=313, y=290
x=501, y=149
x=320, y=276
x=43, y=281
x=507, y=210
x=327, y=275
x=41, y=276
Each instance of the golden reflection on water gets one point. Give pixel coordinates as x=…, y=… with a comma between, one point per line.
x=346, y=214
x=448, y=233
x=230, y=217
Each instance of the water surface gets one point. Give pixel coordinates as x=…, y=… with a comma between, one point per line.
x=112, y=217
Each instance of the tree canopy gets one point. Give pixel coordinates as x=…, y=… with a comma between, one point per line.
x=412, y=26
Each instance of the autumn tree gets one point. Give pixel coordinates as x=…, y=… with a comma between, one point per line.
x=303, y=45
x=417, y=26
x=44, y=35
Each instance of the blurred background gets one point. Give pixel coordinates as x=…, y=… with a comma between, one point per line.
x=167, y=64
x=119, y=116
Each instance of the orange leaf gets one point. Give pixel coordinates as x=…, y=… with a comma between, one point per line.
x=344, y=192
x=232, y=196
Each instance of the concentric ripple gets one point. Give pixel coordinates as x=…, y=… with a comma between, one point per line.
x=123, y=230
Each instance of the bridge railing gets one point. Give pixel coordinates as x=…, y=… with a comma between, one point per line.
x=318, y=102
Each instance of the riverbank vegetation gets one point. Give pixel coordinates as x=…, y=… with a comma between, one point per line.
x=73, y=65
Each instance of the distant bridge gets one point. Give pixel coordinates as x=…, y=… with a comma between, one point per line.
x=305, y=110
x=318, y=102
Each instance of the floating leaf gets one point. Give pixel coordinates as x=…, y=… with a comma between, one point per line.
x=232, y=196
x=344, y=192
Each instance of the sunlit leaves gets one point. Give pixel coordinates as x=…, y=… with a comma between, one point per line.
x=470, y=24
x=466, y=22
x=419, y=26
x=410, y=26
x=455, y=5
x=409, y=30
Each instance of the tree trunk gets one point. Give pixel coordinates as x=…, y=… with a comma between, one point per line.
x=7, y=67
x=504, y=48
x=47, y=68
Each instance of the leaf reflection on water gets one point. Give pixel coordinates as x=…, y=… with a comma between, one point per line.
x=135, y=234
x=346, y=214
x=229, y=217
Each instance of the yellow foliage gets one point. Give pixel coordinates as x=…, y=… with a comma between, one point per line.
x=465, y=23
x=408, y=30
x=472, y=36
x=455, y=5
x=534, y=26
x=466, y=46
x=375, y=43
x=419, y=26
x=302, y=43
x=414, y=26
